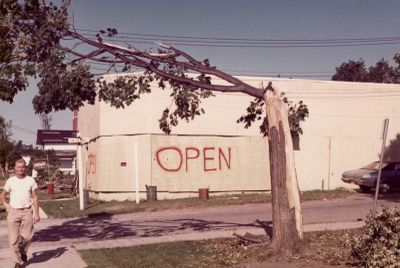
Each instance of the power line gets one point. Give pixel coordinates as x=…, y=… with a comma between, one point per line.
x=282, y=42
x=341, y=40
x=25, y=130
x=250, y=43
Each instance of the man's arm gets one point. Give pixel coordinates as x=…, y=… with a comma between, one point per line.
x=4, y=200
x=36, y=216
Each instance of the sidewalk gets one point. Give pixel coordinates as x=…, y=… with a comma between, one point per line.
x=64, y=254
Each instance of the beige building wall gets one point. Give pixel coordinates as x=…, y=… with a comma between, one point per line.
x=344, y=128
x=89, y=120
x=110, y=166
x=343, y=132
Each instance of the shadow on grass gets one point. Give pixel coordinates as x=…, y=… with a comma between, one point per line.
x=101, y=226
x=267, y=226
x=45, y=255
x=93, y=204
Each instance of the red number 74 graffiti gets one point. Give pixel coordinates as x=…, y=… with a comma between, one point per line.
x=91, y=164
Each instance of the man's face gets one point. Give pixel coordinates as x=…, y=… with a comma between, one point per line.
x=20, y=169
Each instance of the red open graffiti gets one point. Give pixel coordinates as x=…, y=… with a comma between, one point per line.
x=208, y=155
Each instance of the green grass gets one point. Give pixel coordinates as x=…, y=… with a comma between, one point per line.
x=43, y=197
x=319, y=194
x=180, y=254
x=70, y=208
x=319, y=247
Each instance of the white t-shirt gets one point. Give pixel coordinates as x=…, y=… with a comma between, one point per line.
x=20, y=191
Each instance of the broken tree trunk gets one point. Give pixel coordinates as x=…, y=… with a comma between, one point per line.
x=286, y=210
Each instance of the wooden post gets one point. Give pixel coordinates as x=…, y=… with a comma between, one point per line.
x=286, y=209
x=378, y=179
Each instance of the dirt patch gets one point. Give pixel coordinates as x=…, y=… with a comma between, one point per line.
x=288, y=265
x=318, y=249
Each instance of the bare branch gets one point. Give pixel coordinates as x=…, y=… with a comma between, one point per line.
x=160, y=44
x=146, y=61
x=161, y=55
x=136, y=51
x=187, y=56
x=91, y=55
x=121, y=48
x=83, y=57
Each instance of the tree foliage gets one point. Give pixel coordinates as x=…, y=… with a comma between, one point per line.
x=353, y=71
x=392, y=150
x=47, y=171
x=6, y=144
x=256, y=112
x=31, y=35
x=378, y=245
x=381, y=72
x=15, y=154
x=38, y=40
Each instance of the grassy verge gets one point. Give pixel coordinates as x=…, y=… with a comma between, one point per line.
x=320, y=195
x=43, y=197
x=318, y=248
x=70, y=208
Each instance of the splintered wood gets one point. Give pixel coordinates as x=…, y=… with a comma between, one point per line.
x=249, y=239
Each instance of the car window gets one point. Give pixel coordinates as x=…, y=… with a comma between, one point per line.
x=373, y=165
x=390, y=166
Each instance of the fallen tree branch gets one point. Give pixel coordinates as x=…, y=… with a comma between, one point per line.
x=251, y=238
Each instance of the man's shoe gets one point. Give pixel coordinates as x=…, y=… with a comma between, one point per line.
x=24, y=258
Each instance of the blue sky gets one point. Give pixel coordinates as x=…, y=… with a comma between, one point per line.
x=251, y=19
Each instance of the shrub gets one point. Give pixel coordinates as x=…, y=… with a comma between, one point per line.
x=378, y=245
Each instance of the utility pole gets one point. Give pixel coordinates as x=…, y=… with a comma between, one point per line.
x=78, y=141
x=378, y=180
x=80, y=176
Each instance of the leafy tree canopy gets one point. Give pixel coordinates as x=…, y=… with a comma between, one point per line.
x=38, y=40
x=15, y=154
x=381, y=72
x=5, y=128
x=47, y=156
x=6, y=144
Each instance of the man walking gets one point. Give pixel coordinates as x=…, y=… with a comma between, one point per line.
x=20, y=214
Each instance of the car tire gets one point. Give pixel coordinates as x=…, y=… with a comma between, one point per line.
x=384, y=188
x=365, y=189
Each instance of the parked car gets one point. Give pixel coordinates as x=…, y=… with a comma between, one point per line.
x=366, y=177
